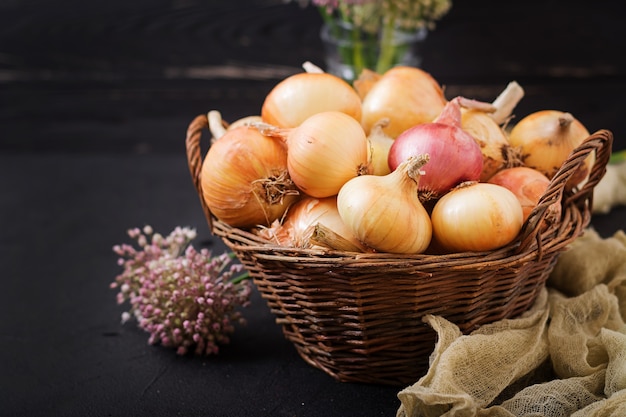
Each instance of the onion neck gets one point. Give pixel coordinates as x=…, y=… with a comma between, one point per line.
x=565, y=121
x=272, y=131
x=506, y=102
x=411, y=168
x=472, y=104
x=451, y=113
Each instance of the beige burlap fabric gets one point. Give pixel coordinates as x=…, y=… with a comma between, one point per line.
x=566, y=356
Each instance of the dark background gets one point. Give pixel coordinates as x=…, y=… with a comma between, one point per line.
x=95, y=99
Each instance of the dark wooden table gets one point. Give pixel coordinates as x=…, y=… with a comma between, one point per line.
x=95, y=100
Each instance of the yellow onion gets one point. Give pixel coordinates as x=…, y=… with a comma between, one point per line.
x=324, y=152
x=476, y=217
x=491, y=139
x=245, y=180
x=407, y=96
x=528, y=185
x=366, y=80
x=485, y=125
x=384, y=212
x=547, y=138
x=297, y=227
x=302, y=95
x=379, y=146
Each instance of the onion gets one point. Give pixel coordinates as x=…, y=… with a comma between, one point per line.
x=491, y=139
x=366, y=80
x=476, y=217
x=528, y=185
x=407, y=96
x=384, y=212
x=455, y=156
x=299, y=96
x=244, y=178
x=380, y=144
x=547, y=138
x=301, y=218
x=485, y=125
x=324, y=152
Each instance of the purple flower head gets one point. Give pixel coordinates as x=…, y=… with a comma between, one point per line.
x=186, y=299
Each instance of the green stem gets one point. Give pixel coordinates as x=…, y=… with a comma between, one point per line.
x=326, y=17
x=387, y=48
x=239, y=278
x=358, y=61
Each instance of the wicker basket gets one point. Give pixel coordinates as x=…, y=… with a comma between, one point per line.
x=358, y=316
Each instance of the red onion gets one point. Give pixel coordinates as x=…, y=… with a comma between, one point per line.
x=455, y=157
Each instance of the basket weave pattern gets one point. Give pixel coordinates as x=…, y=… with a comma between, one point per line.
x=358, y=316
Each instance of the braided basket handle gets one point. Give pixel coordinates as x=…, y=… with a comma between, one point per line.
x=194, y=159
x=600, y=142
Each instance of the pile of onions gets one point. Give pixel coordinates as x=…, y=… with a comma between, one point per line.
x=547, y=138
x=407, y=96
x=302, y=95
x=528, y=185
x=384, y=212
x=244, y=179
x=455, y=157
x=387, y=165
x=324, y=152
x=476, y=216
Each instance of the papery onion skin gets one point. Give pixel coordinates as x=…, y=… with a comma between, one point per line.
x=455, y=157
x=491, y=139
x=302, y=95
x=379, y=146
x=305, y=213
x=407, y=96
x=384, y=212
x=325, y=151
x=528, y=185
x=244, y=179
x=476, y=217
x=547, y=138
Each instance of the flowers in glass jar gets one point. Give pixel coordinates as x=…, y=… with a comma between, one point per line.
x=377, y=34
x=373, y=15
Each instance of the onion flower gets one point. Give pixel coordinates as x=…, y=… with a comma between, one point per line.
x=185, y=298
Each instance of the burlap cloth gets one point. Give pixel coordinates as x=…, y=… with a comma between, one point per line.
x=566, y=356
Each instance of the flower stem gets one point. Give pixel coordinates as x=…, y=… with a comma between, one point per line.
x=387, y=47
x=357, y=51
x=240, y=278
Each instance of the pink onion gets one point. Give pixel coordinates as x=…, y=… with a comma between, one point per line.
x=455, y=157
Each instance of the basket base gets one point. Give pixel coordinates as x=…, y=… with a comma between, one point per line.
x=383, y=370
